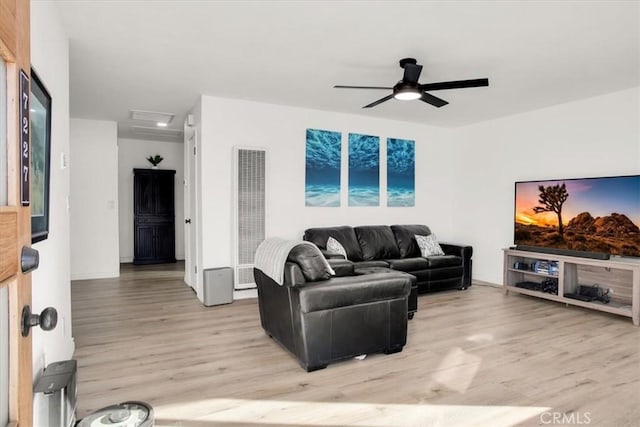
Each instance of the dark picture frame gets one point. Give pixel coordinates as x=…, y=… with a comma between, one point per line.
x=40, y=128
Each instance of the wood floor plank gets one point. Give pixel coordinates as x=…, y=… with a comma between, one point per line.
x=473, y=358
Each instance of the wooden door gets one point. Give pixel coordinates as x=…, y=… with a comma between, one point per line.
x=15, y=219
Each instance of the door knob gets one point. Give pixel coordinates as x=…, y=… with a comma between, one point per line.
x=47, y=320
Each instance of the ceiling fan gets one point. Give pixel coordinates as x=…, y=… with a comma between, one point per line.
x=409, y=89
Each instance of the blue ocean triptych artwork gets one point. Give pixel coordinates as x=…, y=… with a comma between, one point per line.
x=401, y=155
x=322, y=177
x=323, y=165
x=364, y=170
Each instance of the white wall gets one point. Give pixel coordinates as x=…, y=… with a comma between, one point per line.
x=132, y=153
x=94, y=199
x=464, y=176
x=595, y=137
x=282, y=131
x=51, y=281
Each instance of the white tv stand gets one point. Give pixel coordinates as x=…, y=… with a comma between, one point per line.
x=620, y=275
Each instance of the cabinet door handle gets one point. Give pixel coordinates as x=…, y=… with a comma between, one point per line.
x=187, y=221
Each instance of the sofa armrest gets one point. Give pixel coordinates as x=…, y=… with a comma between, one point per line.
x=293, y=274
x=464, y=251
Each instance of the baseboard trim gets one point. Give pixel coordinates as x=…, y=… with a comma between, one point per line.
x=481, y=283
x=129, y=260
x=245, y=293
x=96, y=275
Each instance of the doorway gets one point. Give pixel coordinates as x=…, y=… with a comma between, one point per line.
x=191, y=225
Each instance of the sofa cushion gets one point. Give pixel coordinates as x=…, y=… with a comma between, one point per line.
x=406, y=241
x=408, y=264
x=428, y=245
x=377, y=242
x=313, y=264
x=345, y=235
x=376, y=270
x=342, y=267
x=367, y=264
x=354, y=290
x=439, y=261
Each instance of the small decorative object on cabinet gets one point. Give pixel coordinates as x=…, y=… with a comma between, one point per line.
x=155, y=160
x=153, y=216
x=607, y=285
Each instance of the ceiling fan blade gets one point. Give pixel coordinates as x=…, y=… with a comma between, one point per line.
x=362, y=87
x=433, y=100
x=379, y=101
x=412, y=73
x=456, y=84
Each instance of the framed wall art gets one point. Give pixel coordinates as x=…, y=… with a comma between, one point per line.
x=323, y=161
x=400, y=172
x=40, y=128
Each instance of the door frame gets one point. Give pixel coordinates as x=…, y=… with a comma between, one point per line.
x=188, y=261
x=191, y=231
x=15, y=219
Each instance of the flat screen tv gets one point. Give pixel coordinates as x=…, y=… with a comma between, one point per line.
x=594, y=217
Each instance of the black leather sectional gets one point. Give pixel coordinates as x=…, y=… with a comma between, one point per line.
x=363, y=307
x=395, y=247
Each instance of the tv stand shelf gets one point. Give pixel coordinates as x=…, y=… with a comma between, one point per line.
x=620, y=276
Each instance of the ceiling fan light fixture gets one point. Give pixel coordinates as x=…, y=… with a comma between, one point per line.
x=404, y=92
x=407, y=95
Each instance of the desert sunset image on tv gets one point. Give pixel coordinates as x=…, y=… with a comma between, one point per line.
x=591, y=214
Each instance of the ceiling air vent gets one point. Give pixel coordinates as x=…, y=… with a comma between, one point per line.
x=151, y=116
x=156, y=132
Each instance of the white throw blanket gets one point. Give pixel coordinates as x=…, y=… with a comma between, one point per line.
x=272, y=254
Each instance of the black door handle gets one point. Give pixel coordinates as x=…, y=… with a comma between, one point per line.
x=47, y=320
x=187, y=221
x=29, y=259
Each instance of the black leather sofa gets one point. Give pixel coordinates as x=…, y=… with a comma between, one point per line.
x=323, y=319
x=395, y=247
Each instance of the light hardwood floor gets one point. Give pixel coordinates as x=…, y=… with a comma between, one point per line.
x=476, y=357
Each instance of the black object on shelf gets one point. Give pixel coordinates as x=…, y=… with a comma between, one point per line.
x=579, y=297
x=549, y=286
x=590, y=293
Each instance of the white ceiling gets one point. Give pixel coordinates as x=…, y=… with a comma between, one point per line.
x=161, y=55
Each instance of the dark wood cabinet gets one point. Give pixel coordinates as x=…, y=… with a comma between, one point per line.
x=153, y=216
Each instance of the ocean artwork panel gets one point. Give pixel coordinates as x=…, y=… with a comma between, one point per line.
x=322, y=174
x=364, y=170
x=400, y=172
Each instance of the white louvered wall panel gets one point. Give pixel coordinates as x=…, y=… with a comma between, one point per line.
x=250, y=211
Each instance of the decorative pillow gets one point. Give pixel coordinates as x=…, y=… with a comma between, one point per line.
x=311, y=261
x=428, y=245
x=335, y=247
